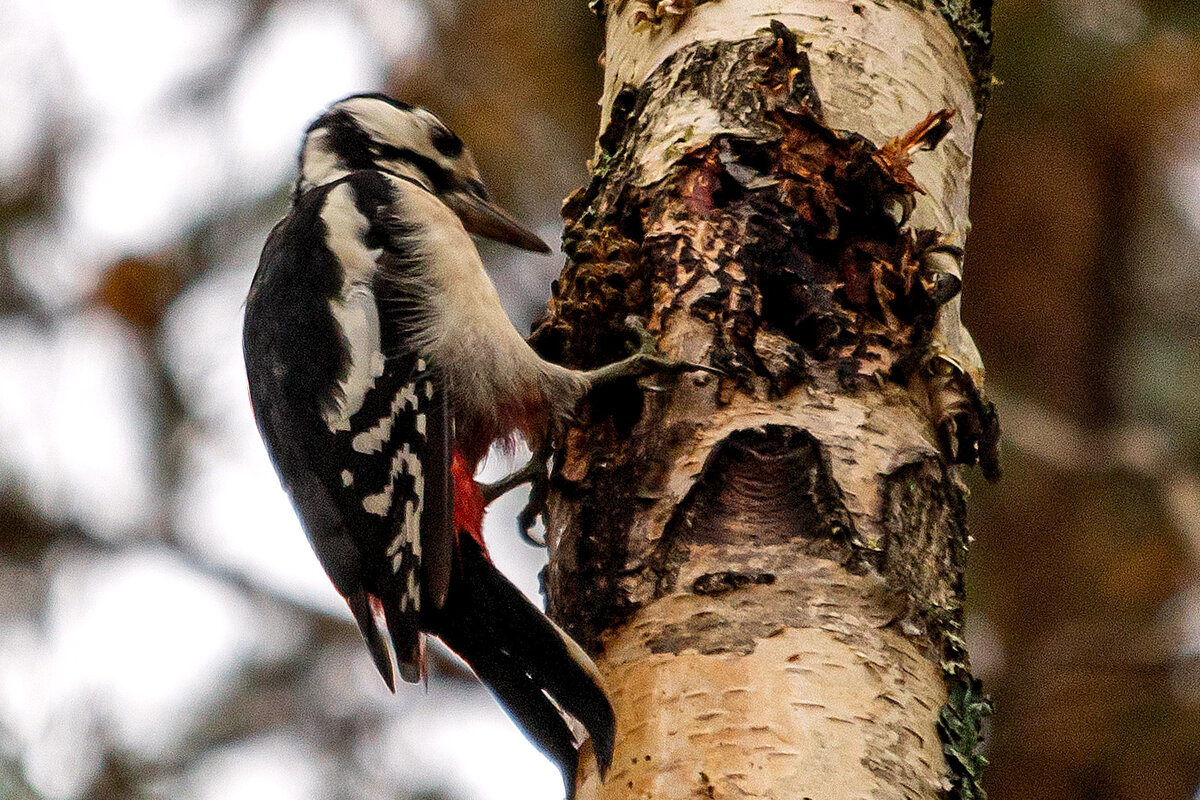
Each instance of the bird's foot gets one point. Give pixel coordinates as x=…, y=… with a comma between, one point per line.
x=536, y=473
x=646, y=361
x=535, y=506
x=949, y=380
x=526, y=474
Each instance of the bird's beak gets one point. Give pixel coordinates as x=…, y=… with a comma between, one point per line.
x=484, y=218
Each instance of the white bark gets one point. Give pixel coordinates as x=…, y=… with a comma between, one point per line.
x=812, y=674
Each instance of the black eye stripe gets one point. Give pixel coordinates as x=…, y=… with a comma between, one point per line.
x=438, y=176
x=446, y=142
x=390, y=151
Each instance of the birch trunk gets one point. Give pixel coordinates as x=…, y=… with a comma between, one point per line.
x=768, y=565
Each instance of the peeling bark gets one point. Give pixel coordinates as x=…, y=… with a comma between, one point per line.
x=769, y=564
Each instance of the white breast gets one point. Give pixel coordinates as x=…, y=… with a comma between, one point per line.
x=469, y=333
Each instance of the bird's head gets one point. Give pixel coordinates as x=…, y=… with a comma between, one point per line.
x=373, y=131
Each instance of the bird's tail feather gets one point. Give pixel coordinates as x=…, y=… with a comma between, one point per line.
x=526, y=703
x=364, y=615
x=525, y=659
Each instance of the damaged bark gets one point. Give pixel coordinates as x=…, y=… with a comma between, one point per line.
x=769, y=564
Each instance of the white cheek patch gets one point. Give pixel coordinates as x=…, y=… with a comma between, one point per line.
x=406, y=169
x=383, y=120
x=410, y=129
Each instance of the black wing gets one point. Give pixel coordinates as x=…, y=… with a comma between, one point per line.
x=355, y=418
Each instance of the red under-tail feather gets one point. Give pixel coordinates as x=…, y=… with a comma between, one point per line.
x=468, y=501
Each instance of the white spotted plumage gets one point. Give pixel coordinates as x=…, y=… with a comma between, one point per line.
x=373, y=439
x=381, y=368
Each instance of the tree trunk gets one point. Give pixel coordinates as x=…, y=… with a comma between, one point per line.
x=768, y=565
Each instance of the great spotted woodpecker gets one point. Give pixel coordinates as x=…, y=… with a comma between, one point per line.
x=381, y=369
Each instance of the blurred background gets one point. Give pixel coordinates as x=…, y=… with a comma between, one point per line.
x=165, y=631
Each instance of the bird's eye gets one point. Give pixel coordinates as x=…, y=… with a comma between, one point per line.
x=446, y=142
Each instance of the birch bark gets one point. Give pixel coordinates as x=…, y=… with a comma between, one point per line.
x=769, y=565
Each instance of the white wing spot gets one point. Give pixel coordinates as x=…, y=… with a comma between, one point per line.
x=347, y=478
x=405, y=461
x=353, y=307
x=372, y=439
x=412, y=517
x=394, y=547
x=414, y=591
x=378, y=504
x=421, y=424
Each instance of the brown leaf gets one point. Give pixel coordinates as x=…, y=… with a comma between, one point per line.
x=139, y=289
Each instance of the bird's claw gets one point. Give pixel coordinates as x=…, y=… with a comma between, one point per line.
x=660, y=364
x=646, y=342
x=536, y=473
x=526, y=474
x=965, y=420
x=535, y=506
x=645, y=361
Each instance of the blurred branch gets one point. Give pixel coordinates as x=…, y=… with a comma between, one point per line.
x=12, y=782
x=1131, y=446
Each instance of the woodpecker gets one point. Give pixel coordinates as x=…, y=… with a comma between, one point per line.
x=382, y=368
